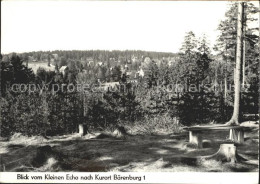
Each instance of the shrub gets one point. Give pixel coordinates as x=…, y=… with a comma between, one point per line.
x=154, y=124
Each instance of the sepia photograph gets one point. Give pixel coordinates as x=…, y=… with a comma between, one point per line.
x=128, y=86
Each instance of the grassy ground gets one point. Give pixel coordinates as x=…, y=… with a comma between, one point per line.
x=135, y=153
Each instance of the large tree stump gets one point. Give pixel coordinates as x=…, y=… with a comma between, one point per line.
x=195, y=138
x=226, y=153
x=236, y=135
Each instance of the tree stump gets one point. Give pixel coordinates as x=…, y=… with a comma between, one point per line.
x=45, y=155
x=226, y=153
x=120, y=132
x=195, y=138
x=82, y=129
x=236, y=135
x=42, y=155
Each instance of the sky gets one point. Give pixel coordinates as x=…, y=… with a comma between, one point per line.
x=115, y=25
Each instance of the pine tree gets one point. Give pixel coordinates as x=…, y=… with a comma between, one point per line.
x=237, y=79
x=203, y=45
x=227, y=44
x=190, y=43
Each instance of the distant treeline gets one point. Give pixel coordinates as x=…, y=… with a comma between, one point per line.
x=96, y=55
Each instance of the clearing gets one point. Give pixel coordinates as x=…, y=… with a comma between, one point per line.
x=134, y=153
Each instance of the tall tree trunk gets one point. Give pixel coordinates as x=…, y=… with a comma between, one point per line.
x=216, y=79
x=244, y=49
x=258, y=65
x=225, y=89
x=237, y=77
x=243, y=64
x=45, y=112
x=225, y=79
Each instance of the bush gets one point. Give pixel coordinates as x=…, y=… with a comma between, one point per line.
x=154, y=124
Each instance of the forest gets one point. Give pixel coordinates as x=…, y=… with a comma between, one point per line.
x=146, y=93
x=161, y=93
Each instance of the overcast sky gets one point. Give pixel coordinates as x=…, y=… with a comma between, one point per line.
x=84, y=25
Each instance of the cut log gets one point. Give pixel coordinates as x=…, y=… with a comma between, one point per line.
x=195, y=138
x=236, y=135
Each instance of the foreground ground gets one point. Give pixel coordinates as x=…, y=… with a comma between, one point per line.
x=94, y=153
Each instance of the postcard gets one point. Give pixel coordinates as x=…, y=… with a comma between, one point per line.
x=129, y=91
